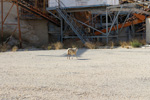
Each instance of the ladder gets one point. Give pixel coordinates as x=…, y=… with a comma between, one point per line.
x=77, y=29
x=36, y=11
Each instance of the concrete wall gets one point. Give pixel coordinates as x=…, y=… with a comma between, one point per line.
x=77, y=3
x=39, y=31
x=148, y=30
x=33, y=31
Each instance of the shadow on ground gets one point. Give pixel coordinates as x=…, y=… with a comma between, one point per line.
x=83, y=59
x=80, y=52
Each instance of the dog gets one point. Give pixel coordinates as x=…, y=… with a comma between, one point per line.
x=71, y=52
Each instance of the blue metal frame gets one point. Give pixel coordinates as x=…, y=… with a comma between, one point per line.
x=71, y=21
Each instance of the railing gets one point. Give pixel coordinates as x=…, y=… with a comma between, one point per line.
x=72, y=22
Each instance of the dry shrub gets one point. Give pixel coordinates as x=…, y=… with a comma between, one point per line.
x=128, y=47
x=124, y=44
x=74, y=46
x=90, y=45
x=116, y=43
x=78, y=44
x=4, y=47
x=98, y=44
x=14, y=48
x=49, y=47
x=143, y=42
x=112, y=45
x=58, y=45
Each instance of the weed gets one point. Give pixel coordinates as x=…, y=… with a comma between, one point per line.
x=58, y=45
x=135, y=43
x=14, y=48
x=90, y=45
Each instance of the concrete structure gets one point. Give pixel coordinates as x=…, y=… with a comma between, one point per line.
x=85, y=3
x=86, y=22
x=148, y=30
x=35, y=32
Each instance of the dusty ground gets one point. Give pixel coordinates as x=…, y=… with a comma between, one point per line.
x=104, y=74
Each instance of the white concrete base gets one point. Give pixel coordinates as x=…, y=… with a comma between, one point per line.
x=148, y=30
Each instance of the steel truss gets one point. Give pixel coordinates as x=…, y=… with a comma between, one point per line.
x=28, y=7
x=3, y=19
x=114, y=23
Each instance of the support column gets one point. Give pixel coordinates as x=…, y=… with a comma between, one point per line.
x=44, y=5
x=62, y=34
x=2, y=34
x=20, y=39
x=107, y=40
x=117, y=29
x=148, y=30
x=35, y=3
x=106, y=21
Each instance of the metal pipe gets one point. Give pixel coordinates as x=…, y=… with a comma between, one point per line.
x=2, y=35
x=117, y=26
x=114, y=21
x=62, y=30
x=106, y=21
x=20, y=39
x=93, y=22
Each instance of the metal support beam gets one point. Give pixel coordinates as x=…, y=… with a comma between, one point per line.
x=125, y=21
x=35, y=3
x=90, y=27
x=114, y=21
x=8, y=13
x=117, y=26
x=106, y=21
x=2, y=34
x=20, y=39
x=54, y=15
x=62, y=35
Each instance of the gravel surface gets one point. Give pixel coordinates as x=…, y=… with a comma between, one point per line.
x=101, y=74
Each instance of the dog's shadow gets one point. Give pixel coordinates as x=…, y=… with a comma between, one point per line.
x=80, y=52
x=83, y=59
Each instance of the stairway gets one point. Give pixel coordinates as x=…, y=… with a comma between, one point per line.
x=77, y=29
x=36, y=11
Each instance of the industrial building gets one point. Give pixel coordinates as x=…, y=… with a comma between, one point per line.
x=40, y=22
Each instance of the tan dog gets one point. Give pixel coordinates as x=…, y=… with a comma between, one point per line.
x=71, y=52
